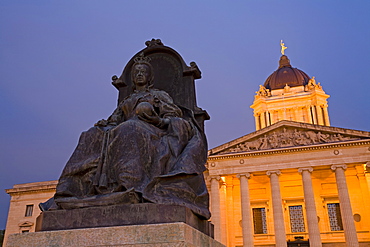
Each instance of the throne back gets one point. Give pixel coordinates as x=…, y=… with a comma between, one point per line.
x=171, y=74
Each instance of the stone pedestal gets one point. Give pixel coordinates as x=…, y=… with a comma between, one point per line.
x=154, y=235
x=120, y=215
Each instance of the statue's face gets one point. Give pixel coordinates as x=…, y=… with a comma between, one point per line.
x=141, y=74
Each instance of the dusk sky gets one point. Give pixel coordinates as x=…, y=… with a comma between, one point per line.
x=57, y=59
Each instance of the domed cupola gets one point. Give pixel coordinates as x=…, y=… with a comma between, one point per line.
x=289, y=94
x=286, y=75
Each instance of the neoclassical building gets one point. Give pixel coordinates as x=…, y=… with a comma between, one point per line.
x=296, y=180
x=23, y=208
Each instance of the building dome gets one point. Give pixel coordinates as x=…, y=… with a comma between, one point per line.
x=286, y=75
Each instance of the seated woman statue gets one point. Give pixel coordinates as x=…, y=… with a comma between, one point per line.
x=148, y=151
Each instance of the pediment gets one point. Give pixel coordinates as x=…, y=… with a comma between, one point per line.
x=286, y=134
x=25, y=224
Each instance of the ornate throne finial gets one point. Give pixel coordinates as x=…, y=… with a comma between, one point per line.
x=153, y=42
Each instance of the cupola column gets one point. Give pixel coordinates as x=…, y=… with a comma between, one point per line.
x=263, y=120
x=326, y=115
x=350, y=233
x=319, y=115
x=295, y=114
x=277, y=207
x=257, y=121
x=314, y=114
x=268, y=118
x=272, y=116
x=309, y=114
x=309, y=200
x=281, y=114
x=247, y=226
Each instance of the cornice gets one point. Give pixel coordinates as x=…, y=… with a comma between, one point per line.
x=32, y=188
x=288, y=150
x=14, y=192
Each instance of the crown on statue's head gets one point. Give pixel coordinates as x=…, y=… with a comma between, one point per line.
x=141, y=58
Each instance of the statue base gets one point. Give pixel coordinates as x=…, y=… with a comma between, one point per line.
x=120, y=215
x=154, y=235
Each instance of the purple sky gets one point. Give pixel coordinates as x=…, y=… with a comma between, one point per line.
x=57, y=58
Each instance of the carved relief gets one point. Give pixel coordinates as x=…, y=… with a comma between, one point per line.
x=264, y=92
x=311, y=85
x=288, y=138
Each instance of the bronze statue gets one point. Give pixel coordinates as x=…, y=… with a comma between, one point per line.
x=150, y=150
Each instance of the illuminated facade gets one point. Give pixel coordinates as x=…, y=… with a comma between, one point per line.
x=23, y=208
x=296, y=180
x=289, y=94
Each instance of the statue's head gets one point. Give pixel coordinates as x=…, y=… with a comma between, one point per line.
x=142, y=72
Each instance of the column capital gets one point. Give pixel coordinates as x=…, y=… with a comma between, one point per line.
x=218, y=178
x=334, y=167
x=247, y=175
x=309, y=169
x=277, y=172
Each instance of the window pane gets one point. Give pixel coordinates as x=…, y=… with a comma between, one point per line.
x=296, y=218
x=29, y=209
x=335, y=217
x=259, y=221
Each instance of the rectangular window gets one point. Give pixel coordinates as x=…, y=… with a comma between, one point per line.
x=29, y=210
x=259, y=221
x=296, y=218
x=335, y=217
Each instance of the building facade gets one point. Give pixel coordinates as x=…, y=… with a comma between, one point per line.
x=312, y=190
x=23, y=208
x=295, y=181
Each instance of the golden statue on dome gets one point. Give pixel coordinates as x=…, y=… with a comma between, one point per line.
x=283, y=47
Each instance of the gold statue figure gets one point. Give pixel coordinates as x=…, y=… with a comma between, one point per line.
x=283, y=47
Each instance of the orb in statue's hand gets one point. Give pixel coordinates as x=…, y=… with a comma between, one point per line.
x=144, y=107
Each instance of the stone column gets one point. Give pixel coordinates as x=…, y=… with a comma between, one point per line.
x=319, y=115
x=272, y=116
x=257, y=120
x=295, y=114
x=281, y=114
x=326, y=115
x=246, y=210
x=277, y=207
x=229, y=216
x=215, y=206
x=314, y=114
x=268, y=118
x=309, y=114
x=263, y=120
x=301, y=115
x=350, y=233
x=309, y=200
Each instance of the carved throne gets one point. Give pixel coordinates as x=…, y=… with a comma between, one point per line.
x=171, y=74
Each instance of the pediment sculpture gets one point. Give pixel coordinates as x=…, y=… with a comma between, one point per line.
x=288, y=137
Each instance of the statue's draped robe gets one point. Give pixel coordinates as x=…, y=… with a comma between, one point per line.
x=162, y=165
